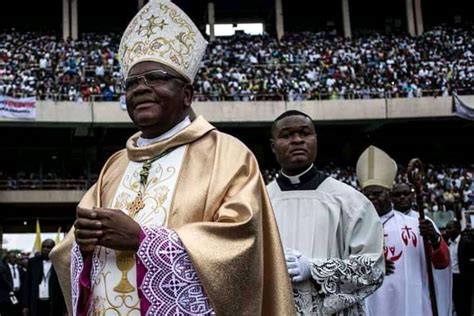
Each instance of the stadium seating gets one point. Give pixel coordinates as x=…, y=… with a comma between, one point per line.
x=303, y=66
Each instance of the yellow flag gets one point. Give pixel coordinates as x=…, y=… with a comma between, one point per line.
x=58, y=236
x=37, y=245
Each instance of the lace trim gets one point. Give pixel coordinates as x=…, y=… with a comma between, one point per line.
x=344, y=286
x=96, y=266
x=171, y=283
x=77, y=265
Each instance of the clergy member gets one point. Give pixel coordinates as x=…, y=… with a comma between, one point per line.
x=331, y=234
x=403, y=197
x=404, y=292
x=179, y=221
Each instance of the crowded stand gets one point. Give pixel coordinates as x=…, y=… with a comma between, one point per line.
x=206, y=196
x=448, y=190
x=302, y=66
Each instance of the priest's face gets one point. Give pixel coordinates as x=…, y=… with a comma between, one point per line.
x=402, y=197
x=380, y=198
x=294, y=143
x=157, y=97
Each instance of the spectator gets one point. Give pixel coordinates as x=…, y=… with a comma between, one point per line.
x=42, y=294
x=11, y=285
x=301, y=66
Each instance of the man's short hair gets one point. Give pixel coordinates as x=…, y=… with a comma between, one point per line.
x=456, y=224
x=49, y=240
x=286, y=114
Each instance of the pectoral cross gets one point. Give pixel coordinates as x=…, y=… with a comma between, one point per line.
x=136, y=205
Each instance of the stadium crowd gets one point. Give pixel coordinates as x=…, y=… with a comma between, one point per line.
x=448, y=190
x=41, y=65
x=303, y=66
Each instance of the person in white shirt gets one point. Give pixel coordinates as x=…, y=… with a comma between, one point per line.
x=11, y=261
x=42, y=294
x=452, y=234
x=11, y=281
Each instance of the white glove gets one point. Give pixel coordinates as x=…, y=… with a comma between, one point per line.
x=299, y=267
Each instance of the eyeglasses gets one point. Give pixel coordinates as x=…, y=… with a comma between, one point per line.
x=373, y=193
x=400, y=193
x=151, y=79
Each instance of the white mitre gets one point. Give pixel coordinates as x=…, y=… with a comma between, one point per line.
x=163, y=33
x=375, y=167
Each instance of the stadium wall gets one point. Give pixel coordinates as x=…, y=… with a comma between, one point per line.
x=40, y=196
x=104, y=113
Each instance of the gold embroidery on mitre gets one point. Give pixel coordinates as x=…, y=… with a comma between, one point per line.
x=163, y=33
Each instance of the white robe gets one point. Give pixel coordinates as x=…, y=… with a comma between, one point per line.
x=443, y=279
x=406, y=291
x=338, y=229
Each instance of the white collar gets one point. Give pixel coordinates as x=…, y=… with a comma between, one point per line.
x=296, y=178
x=12, y=266
x=47, y=265
x=141, y=142
x=388, y=215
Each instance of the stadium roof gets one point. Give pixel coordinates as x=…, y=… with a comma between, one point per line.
x=298, y=15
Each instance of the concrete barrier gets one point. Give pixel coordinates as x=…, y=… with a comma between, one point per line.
x=419, y=107
x=41, y=196
x=109, y=113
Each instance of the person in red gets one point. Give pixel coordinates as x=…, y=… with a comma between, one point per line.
x=406, y=283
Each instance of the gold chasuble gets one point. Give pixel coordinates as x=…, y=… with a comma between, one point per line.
x=220, y=211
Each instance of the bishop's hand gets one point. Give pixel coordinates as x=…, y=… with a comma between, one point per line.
x=119, y=231
x=88, y=229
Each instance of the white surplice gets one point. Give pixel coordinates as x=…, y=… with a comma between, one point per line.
x=337, y=228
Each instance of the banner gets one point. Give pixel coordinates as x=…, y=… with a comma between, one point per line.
x=461, y=109
x=37, y=244
x=58, y=236
x=23, y=108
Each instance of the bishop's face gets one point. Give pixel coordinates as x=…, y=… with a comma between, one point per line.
x=294, y=143
x=380, y=198
x=157, y=97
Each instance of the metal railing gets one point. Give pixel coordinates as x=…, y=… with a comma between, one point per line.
x=36, y=184
x=254, y=96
